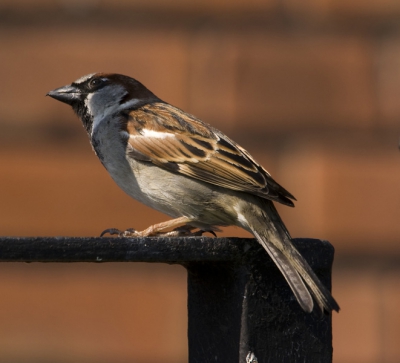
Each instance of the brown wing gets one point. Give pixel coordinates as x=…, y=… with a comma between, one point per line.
x=172, y=139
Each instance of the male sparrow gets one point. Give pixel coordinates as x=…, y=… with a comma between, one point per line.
x=185, y=168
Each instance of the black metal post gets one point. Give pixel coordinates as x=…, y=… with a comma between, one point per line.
x=237, y=308
x=238, y=302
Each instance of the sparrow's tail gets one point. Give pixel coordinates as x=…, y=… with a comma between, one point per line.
x=271, y=233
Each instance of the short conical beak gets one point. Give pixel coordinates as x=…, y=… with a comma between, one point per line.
x=67, y=94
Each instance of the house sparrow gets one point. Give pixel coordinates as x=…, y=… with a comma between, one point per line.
x=181, y=166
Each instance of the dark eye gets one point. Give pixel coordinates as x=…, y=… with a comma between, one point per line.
x=95, y=82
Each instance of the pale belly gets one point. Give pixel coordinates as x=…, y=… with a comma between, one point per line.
x=175, y=195
x=167, y=192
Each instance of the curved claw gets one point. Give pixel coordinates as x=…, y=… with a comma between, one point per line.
x=111, y=231
x=201, y=231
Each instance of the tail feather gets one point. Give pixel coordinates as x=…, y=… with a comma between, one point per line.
x=272, y=234
x=290, y=273
x=322, y=295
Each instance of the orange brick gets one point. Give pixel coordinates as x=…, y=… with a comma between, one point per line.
x=339, y=9
x=158, y=5
x=196, y=5
x=390, y=327
x=389, y=82
x=87, y=312
x=367, y=327
x=262, y=80
x=374, y=9
x=347, y=194
x=212, y=79
x=303, y=174
x=312, y=9
x=301, y=81
x=356, y=327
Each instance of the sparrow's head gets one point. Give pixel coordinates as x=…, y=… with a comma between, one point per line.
x=97, y=95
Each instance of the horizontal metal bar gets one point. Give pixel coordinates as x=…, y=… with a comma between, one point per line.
x=109, y=249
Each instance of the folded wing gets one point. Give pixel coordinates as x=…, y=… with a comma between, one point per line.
x=172, y=139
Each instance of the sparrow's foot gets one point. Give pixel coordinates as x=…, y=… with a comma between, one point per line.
x=185, y=231
x=158, y=230
x=130, y=232
x=155, y=230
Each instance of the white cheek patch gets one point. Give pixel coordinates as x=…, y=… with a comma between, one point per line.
x=98, y=111
x=88, y=104
x=87, y=101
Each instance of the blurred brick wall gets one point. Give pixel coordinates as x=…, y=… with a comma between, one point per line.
x=309, y=88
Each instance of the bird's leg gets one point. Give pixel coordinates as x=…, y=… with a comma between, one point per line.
x=154, y=230
x=157, y=230
x=186, y=231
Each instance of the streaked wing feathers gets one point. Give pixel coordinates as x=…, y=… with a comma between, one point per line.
x=177, y=141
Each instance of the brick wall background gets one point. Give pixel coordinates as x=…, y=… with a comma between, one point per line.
x=310, y=88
